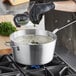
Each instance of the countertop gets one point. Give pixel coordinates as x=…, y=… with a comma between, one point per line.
x=6, y=8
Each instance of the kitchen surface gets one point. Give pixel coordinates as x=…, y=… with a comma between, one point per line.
x=19, y=60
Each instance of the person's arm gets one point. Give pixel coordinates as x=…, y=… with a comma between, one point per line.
x=67, y=6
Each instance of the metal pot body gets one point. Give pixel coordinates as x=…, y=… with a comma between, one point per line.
x=33, y=54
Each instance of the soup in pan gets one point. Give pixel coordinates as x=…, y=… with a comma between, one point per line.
x=33, y=39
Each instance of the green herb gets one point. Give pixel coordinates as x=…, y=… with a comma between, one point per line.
x=6, y=28
x=22, y=22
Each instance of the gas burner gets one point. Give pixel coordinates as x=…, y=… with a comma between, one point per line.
x=57, y=67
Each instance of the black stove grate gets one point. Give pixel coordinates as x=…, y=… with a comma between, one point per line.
x=8, y=67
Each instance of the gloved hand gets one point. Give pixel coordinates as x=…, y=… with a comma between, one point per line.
x=38, y=9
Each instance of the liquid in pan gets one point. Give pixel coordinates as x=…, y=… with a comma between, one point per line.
x=33, y=39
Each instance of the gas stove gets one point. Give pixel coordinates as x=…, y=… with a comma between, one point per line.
x=57, y=67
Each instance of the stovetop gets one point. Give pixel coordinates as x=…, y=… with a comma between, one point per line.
x=57, y=67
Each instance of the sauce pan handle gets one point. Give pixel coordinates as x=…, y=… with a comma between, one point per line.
x=58, y=29
x=9, y=44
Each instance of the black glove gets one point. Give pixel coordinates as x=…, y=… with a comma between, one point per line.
x=38, y=9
